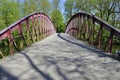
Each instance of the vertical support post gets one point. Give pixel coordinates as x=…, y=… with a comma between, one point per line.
x=76, y=25
x=73, y=27
x=10, y=39
x=93, y=29
x=40, y=27
x=80, y=26
x=71, y=32
x=39, y=23
x=28, y=32
x=100, y=37
x=37, y=27
x=42, y=30
x=45, y=27
x=110, y=41
x=68, y=28
x=83, y=28
x=21, y=35
x=34, y=30
x=87, y=28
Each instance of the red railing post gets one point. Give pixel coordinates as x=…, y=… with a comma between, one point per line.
x=90, y=33
x=37, y=27
x=87, y=28
x=28, y=32
x=10, y=39
x=93, y=29
x=21, y=35
x=80, y=26
x=110, y=41
x=100, y=37
x=31, y=29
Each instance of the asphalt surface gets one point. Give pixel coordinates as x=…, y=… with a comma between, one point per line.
x=59, y=57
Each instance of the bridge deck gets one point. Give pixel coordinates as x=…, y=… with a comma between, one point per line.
x=59, y=57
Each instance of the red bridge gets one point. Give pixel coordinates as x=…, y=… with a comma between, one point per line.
x=83, y=52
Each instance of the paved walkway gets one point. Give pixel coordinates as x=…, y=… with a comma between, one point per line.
x=59, y=57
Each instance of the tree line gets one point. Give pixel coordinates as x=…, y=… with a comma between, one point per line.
x=107, y=10
x=12, y=10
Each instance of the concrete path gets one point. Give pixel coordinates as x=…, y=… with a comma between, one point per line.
x=59, y=57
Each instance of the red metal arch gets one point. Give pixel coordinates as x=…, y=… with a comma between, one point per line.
x=34, y=26
x=7, y=32
x=79, y=26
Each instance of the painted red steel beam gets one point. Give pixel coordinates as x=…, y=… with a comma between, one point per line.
x=6, y=32
x=97, y=20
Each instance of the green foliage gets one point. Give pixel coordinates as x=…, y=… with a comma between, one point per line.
x=9, y=13
x=57, y=20
x=56, y=4
x=69, y=8
x=82, y=5
x=44, y=6
x=109, y=11
x=2, y=24
x=56, y=16
x=11, y=10
x=31, y=6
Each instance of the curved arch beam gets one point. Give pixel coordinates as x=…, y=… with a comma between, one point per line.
x=29, y=29
x=92, y=29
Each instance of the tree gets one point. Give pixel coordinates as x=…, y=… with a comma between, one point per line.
x=82, y=5
x=31, y=6
x=56, y=4
x=69, y=8
x=57, y=20
x=56, y=16
x=109, y=11
x=9, y=13
x=44, y=6
x=2, y=24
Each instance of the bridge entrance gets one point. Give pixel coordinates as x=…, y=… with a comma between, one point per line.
x=37, y=26
x=43, y=54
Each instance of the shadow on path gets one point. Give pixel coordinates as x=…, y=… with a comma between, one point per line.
x=5, y=75
x=45, y=76
x=100, y=53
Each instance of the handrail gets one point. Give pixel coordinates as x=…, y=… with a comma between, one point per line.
x=19, y=21
x=30, y=28
x=98, y=20
x=80, y=22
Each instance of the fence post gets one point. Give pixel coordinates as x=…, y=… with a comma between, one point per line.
x=93, y=29
x=100, y=37
x=110, y=41
x=10, y=40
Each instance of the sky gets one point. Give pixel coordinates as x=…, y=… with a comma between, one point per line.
x=62, y=5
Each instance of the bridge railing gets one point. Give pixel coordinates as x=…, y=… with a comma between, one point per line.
x=24, y=32
x=95, y=31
